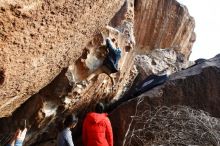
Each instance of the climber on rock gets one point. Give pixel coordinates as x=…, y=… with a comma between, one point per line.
x=112, y=58
x=110, y=63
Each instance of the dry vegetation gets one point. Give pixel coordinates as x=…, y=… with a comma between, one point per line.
x=177, y=125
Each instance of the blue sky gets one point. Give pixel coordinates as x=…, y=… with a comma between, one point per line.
x=207, y=17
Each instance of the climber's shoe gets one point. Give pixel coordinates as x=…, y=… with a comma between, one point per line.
x=110, y=65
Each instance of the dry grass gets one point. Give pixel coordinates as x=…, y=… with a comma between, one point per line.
x=177, y=125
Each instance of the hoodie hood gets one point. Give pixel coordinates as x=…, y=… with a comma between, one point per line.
x=96, y=117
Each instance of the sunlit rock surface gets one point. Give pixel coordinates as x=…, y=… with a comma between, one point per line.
x=72, y=91
x=53, y=68
x=39, y=38
x=161, y=61
x=163, y=24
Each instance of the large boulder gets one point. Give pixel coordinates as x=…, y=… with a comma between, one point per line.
x=72, y=91
x=60, y=73
x=196, y=87
x=40, y=38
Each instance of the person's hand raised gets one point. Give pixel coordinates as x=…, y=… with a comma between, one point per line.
x=20, y=134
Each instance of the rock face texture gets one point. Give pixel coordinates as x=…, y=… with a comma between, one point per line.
x=76, y=87
x=163, y=24
x=39, y=38
x=159, y=61
x=52, y=53
x=196, y=87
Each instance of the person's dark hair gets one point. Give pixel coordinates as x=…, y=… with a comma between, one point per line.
x=70, y=120
x=99, y=108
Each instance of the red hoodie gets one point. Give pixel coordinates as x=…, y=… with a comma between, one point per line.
x=97, y=130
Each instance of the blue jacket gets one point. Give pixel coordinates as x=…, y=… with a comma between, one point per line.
x=65, y=138
x=113, y=56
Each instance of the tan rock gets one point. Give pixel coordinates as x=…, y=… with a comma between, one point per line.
x=163, y=24
x=63, y=64
x=39, y=38
x=160, y=61
x=75, y=89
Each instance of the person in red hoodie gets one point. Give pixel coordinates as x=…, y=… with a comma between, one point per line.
x=97, y=129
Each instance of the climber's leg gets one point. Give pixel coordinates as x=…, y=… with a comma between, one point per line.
x=108, y=72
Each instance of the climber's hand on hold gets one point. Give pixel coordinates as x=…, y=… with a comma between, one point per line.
x=110, y=44
x=108, y=40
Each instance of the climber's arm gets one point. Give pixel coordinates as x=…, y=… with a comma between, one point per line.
x=109, y=46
